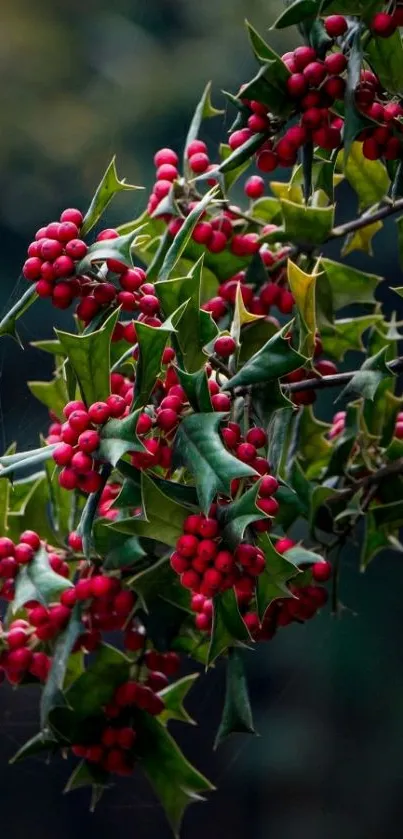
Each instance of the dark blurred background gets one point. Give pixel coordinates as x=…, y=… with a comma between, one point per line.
x=78, y=83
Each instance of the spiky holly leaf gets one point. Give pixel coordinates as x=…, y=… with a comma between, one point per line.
x=308, y=225
x=108, y=187
x=89, y=356
x=175, y=781
x=181, y=239
x=152, y=342
x=274, y=360
x=241, y=316
x=238, y=515
x=204, y=110
x=253, y=336
x=197, y=328
x=344, y=444
x=196, y=388
x=52, y=692
x=314, y=449
x=388, y=514
x=353, y=119
x=346, y=334
x=361, y=240
x=348, y=285
x=303, y=287
x=53, y=394
x=174, y=696
x=85, y=525
x=96, y=687
x=44, y=741
x=89, y=775
x=117, y=549
x=162, y=518
x=280, y=433
x=119, y=249
x=118, y=436
x=376, y=539
x=229, y=629
x=295, y=13
x=37, y=581
x=12, y=464
x=385, y=55
x=31, y=508
x=7, y=324
x=182, y=493
x=270, y=84
x=237, y=712
x=368, y=178
x=366, y=381
x=230, y=178
x=272, y=584
x=199, y=447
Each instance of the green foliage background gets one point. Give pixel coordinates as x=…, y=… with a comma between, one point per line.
x=79, y=82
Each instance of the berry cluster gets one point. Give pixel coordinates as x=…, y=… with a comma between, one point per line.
x=12, y=557
x=52, y=258
x=303, y=604
x=384, y=24
x=321, y=367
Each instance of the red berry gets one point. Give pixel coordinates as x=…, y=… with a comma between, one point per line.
x=221, y=402
x=268, y=505
x=238, y=138
x=81, y=462
x=16, y=638
x=208, y=528
x=383, y=25
x=90, y=481
x=116, y=405
x=76, y=249
x=19, y=660
x=99, y=413
x=370, y=149
x=89, y=441
x=196, y=147
x=149, y=304
x=50, y=249
x=79, y=420
x=246, y=452
x=217, y=242
x=73, y=215
x=297, y=85
x=68, y=478
x=203, y=622
x=336, y=25
x=167, y=172
x=166, y=156
x=315, y=73
x=335, y=87
x=268, y=486
x=23, y=553
x=30, y=537
x=224, y=346
x=326, y=368
x=321, y=571
x=335, y=63
x=144, y=424
x=32, y=268
x=257, y=437
x=187, y=545
x=191, y=580
x=267, y=160
x=75, y=541
x=202, y=233
x=212, y=579
x=224, y=562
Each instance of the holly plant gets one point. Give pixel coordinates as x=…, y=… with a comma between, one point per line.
x=156, y=520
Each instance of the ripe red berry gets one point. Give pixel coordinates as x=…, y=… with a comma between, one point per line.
x=73, y=215
x=187, y=545
x=116, y=405
x=257, y=437
x=163, y=156
x=321, y=571
x=191, y=580
x=90, y=481
x=89, y=441
x=208, y=528
x=315, y=73
x=179, y=563
x=196, y=147
x=238, y=138
x=79, y=420
x=221, y=402
x=75, y=541
x=81, y=462
x=76, y=249
x=167, y=172
x=23, y=553
x=246, y=452
x=30, y=537
x=32, y=268
x=167, y=419
x=144, y=424
x=268, y=486
x=212, y=579
x=202, y=233
x=336, y=26
x=149, y=304
x=267, y=161
x=68, y=478
x=224, y=562
x=297, y=85
x=217, y=242
x=335, y=63
x=50, y=249
x=224, y=346
x=99, y=413
x=383, y=25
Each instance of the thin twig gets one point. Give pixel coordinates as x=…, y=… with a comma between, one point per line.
x=337, y=379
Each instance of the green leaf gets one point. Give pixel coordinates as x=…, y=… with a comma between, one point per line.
x=348, y=285
x=368, y=178
x=7, y=324
x=89, y=775
x=85, y=525
x=182, y=237
x=253, y=337
x=272, y=584
x=204, y=110
x=385, y=55
x=242, y=154
x=39, y=581
x=152, y=342
x=52, y=394
x=298, y=11
x=174, y=696
x=61, y=654
x=303, y=287
x=399, y=223
x=195, y=386
x=163, y=518
x=119, y=248
x=96, y=687
x=366, y=381
x=301, y=556
x=361, y=240
x=231, y=177
x=353, y=120
x=117, y=549
x=20, y=461
x=106, y=190
x=183, y=493
x=388, y=514
x=228, y=627
x=280, y=432
x=237, y=713
x=197, y=328
x=344, y=444
x=314, y=449
x=346, y=334
x=89, y=356
x=270, y=85
x=176, y=783
x=44, y=741
x=376, y=539
x=118, y=436
x=308, y=225
x=238, y=515
x=274, y=360
x=199, y=447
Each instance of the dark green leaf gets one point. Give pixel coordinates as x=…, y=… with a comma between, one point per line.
x=7, y=324
x=89, y=356
x=108, y=187
x=367, y=380
x=174, y=696
x=228, y=627
x=280, y=432
x=162, y=520
x=298, y=11
x=388, y=514
x=275, y=359
x=368, y=178
x=44, y=741
x=61, y=654
x=20, y=461
x=204, y=110
x=118, y=436
x=199, y=447
x=52, y=394
x=348, y=285
x=309, y=225
x=237, y=713
x=376, y=539
x=353, y=120
x=84, y=528
x=346, y=334
x=96, y=687
x=184, y=494
x=314, y=449
x=238, y=515
x=272, y=584
x=182, y=237
x=242, y=153
x=117, y=549
x=385, y=55
x=38, y=577
x=119, y=248
x=176, y=783
x=195, y=386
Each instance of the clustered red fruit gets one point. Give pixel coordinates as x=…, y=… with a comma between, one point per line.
x=322, y=367
x=303, y=604
x=13, y=556
x=339, y=423
x=384, y=24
